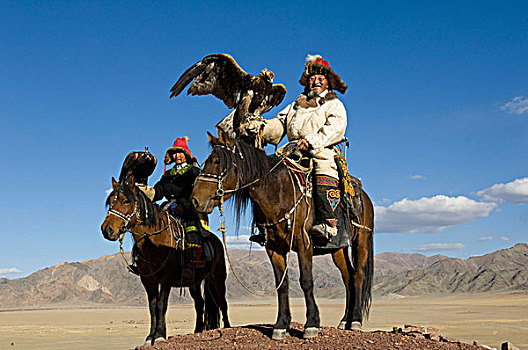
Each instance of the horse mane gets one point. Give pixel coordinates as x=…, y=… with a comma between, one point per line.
x=251, y=163
x=148, y=211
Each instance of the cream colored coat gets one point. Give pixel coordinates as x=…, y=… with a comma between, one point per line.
x=321, y=126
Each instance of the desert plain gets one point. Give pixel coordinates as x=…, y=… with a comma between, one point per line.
x=490, y=318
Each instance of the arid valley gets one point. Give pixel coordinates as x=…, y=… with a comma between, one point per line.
x=98, y=304
x=489, y=318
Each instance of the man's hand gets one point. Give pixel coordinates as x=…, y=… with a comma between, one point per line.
x=303, y=145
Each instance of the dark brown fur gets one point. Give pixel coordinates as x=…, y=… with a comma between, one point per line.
x=272, y=196
x=160, y=265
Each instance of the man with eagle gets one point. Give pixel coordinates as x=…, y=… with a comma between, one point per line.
x=317, y=120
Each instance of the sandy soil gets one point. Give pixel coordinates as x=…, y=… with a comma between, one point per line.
x=488, y=318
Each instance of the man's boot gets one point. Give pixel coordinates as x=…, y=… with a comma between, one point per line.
x=327, y=197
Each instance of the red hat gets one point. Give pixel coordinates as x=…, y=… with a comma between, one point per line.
x=316, y=65
x=180, y=145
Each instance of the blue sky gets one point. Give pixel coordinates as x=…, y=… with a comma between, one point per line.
x=437, y=108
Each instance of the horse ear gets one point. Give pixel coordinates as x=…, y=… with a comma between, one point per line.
x=225, y=139
x=114, y=183
x=131, y=182
x=212, y=139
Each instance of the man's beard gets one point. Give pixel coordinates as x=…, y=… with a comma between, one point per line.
x=313, y=94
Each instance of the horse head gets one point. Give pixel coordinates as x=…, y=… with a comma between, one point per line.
x=123, y=211
x=218, y=180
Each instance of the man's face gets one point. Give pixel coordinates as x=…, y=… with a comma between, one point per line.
x=179, y=157
x=318, y=83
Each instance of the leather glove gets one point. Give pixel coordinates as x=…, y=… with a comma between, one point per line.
x=254, y=125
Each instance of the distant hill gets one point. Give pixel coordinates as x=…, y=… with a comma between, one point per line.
x=107, y=281
x=503, y=270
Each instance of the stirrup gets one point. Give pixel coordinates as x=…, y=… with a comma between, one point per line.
x=258, y=238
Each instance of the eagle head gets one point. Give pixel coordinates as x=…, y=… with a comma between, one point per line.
x=267, y=75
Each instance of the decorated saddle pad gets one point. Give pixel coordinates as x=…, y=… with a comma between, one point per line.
x=351, y=189
x=194, y=255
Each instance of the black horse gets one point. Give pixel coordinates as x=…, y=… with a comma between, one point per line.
x=237, y=169
x=160, y=259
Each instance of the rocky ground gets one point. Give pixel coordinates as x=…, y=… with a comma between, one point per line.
x=259, y=337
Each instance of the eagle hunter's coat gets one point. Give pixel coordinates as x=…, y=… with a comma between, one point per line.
x=221, y=76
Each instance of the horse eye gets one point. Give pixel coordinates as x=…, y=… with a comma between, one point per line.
x=217, y=161
x=126, y=201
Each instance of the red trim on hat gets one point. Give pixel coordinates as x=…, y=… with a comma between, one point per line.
x=322, y=62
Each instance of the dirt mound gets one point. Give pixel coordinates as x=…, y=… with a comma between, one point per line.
x=259, y=337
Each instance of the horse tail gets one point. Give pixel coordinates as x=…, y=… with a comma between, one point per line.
x=212, y=308
x=368, y=273
x=368, y=268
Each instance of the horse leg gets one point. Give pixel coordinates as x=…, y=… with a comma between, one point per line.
x=342, y=261
x=311, y=327
x=219, y=285
x=196, y=293
x=161, y=308
x=152, y=289
x=278, y=261
x=363, y=261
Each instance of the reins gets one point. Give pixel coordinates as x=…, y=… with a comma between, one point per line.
x=124, y=229
x=220, y=193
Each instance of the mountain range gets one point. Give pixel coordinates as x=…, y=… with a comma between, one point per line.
x=106, y=280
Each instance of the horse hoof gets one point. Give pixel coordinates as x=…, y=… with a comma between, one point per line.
x=310, y=332
x=355, y=326
x=148, y=342
x=278, y=334
x=342, y=325
x=158, y=340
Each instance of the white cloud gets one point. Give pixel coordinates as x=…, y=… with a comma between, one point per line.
x=9, y=271
x=428, y=215
x=504, y=238
x=515, y=192
x=519, y=105
x=241, y=242
x=418, y=177
x=487, y=238
x=436, y=247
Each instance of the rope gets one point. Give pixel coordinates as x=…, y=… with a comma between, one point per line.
x=360, y=226
x=223, y=230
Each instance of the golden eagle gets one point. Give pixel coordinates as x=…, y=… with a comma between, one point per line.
x=221, y=76
x=139, y=164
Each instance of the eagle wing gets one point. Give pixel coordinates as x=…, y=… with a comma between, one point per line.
x=274, y=98
x=217, y=74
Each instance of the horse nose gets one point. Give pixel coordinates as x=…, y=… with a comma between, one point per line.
x=108, y=231
x=195, y=202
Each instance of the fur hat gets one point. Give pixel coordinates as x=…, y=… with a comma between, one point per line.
x=180, y=145
x=316, y=65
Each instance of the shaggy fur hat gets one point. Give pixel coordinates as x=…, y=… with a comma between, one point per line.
x=180, y=145
x=316, y=65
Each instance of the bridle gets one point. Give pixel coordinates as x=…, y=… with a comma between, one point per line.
x=215, y=178
x=126, y=218
x=220, y=193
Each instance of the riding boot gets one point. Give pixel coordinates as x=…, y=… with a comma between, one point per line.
x=327, y=198
x=260, y=237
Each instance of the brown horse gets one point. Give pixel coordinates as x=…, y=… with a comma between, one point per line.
x=160, y=259
x=237, y=169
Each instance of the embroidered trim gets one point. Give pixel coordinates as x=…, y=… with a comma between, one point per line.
x=173, y=171
x=332, y=222
x=347, y=179
x=326, y=181
x=333, y=197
